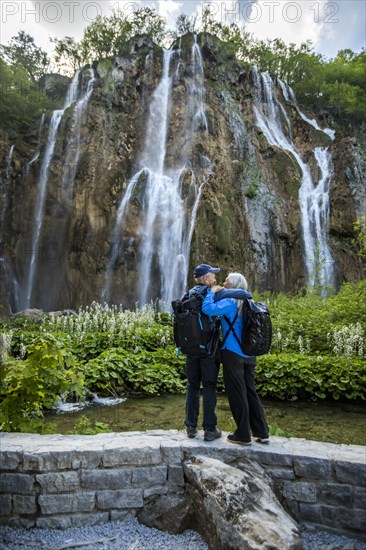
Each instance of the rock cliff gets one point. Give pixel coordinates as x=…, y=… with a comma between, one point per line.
x=236, y=195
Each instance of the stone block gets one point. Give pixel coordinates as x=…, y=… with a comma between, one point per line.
x=128, y=498
x=312, y=468
x=156, y=490
x=310, y=512
x=24, y=504
x=106, y=479
x=176, y=475
x=63, y=482
x=51, y=461
x=172, y=455
x=328, y=515
x=87, y=460
x=351, y=519
x=22, y=484
x=58, y=504
x=331, y=493
x=74, y=520
x=22, y=523
x=10, y=460
x=5, y=505
x=351, y=472
x=300, y=491
x=140, y=456
x=280, y=473
x=271, y=458
x=148, y=477
x=33, y=462
x=360, y=498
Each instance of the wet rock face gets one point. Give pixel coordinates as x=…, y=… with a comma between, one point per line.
x=248, y=217
x=55, y=85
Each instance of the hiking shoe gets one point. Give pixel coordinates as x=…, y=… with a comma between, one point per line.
x=264, y=440
x=191, y=432
x=232, y=438
x=210, y=435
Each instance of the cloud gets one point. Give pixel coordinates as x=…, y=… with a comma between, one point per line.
x=168, y=8
x=331, y=25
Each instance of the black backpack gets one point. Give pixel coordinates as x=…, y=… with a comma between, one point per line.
x=256, y=337
x=194, y=332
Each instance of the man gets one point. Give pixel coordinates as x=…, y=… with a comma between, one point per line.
x=202, y=369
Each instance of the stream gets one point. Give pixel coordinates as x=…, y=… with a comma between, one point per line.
x=334, y=422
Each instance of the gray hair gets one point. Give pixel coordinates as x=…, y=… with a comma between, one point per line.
x=237, y=280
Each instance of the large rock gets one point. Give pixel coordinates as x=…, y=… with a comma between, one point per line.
x=171, y=513
x=237, y=510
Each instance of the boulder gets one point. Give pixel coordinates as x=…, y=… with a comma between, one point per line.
x=169, y=513
x=237, y=510
x=32, y=314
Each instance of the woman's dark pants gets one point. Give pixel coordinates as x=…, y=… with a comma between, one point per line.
x=244, y=402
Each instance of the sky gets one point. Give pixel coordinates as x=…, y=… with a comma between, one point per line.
x=331, y=26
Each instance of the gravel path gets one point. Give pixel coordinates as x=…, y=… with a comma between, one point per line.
x=131, y=535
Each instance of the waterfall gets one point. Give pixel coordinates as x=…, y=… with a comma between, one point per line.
x=5, y=270
x=289, y=95
x=167, y=211
x=313, y=198
x=74, y=142
x=5, y=183
x=38, y=149
x=42, y=186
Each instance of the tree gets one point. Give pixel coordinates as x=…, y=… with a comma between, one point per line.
x=68, y=53
x=23, y=51
x=185, y=24
x=22, y=102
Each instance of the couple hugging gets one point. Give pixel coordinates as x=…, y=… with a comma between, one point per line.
x=227, y=303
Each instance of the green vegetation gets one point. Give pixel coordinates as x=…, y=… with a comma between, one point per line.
x=335, y=86
x=318, y=352
x=360, y=240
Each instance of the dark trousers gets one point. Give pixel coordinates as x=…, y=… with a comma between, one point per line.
x=244, y=402
x=205, y=370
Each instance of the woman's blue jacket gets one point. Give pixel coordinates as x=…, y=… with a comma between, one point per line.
x=226, y=306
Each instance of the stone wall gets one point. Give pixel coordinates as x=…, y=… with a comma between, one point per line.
x=60, y=481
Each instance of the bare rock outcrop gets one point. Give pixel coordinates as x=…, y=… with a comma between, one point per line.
x=237, y=510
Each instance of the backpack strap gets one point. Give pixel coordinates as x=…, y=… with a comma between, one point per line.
x=231, y=329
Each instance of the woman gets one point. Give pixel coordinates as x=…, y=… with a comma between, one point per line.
x=239, y=381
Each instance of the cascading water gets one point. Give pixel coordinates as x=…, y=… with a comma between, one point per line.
x=5, y=270
x=314, y=199
x=74, y=140
x=166, y=219
x=289, y=95
x=4, y=192
x=42, y=187
x=38, y=149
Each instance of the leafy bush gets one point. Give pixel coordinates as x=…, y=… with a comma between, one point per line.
x=286, y=376
x=151, y=373
x=36, y=383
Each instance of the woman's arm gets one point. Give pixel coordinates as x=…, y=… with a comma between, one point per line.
x=237, y=293
x=223, y=307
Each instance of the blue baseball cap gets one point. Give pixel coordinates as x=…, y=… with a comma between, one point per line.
x=203, y=269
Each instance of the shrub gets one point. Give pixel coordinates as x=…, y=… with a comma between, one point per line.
x=36, y=383
x=285, y=376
